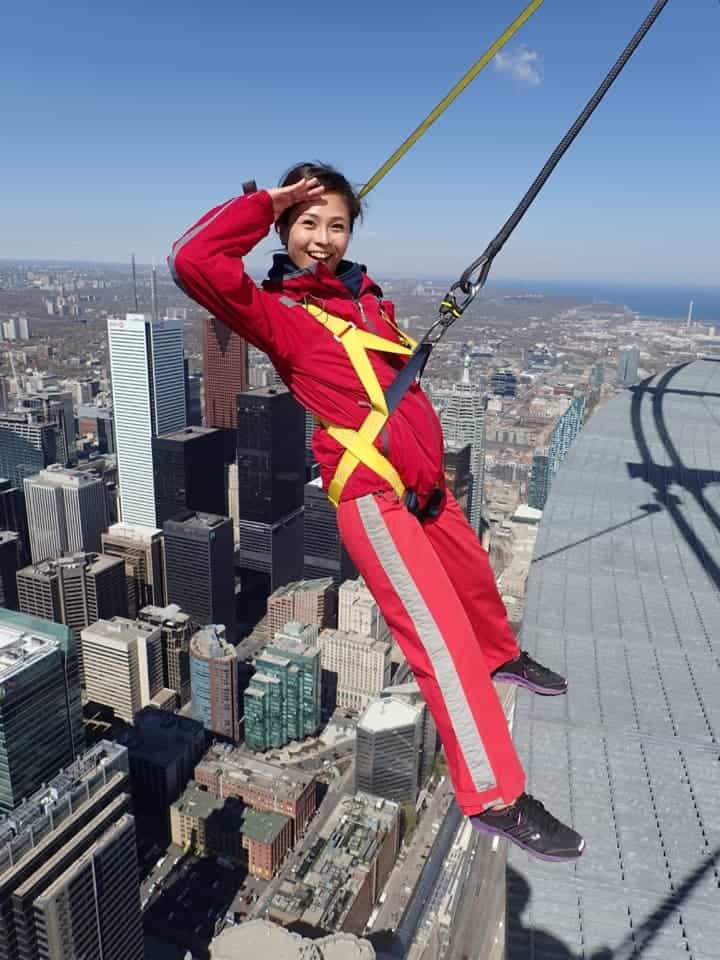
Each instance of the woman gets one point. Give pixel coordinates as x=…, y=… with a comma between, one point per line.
x=331, y=336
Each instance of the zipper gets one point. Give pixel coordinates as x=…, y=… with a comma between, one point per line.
x=364, y=317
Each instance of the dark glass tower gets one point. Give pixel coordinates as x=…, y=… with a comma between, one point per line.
x=199, y=563
x=189, y=470
x=324, y=554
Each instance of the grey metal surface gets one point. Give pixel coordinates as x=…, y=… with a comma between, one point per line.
x=624, y=595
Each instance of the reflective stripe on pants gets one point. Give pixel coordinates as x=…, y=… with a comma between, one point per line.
x=436, y=590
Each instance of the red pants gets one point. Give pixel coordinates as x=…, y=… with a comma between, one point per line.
x=435, y=587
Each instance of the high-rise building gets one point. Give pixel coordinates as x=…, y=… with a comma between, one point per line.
x=410, y=693
x=99, y=421
x=40, y=708
x=214, y=680
x=193, y=396
x=189, y=470
x=307, y=601
x=143, y=552
x=233, y=500
x=628, y=365
x=388, y=748
x=176, y=632
x=271, y=477
x=29, y=443
x=355, y=668
x=539, y=483
x=163, y=749
x=225, y=373
x=503, y=383
x=462, y=415
x=359, y=613
x=12, y=514
x=123, y=664
x=325, y=555
x=199, y=555
x=54, y=405
x=457, y=462
x=148, y=388
x=283, y=699
x=66, y=511
x=566, y=430
x=68, y=866
x=9, y=561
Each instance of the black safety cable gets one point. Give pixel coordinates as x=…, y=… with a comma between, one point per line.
x=474, y=277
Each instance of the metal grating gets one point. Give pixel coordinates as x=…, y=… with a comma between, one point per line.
x=624, y=595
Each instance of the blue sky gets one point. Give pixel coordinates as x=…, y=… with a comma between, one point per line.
x=126, y=121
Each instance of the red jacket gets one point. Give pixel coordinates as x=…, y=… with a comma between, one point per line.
x=206, y=263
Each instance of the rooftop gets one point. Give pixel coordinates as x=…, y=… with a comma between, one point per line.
x=623, y=595
x=196, y=520
x=210, y=643
x=195, y=802
x=262, y=938
x=95, y=562
x=388, y=713
x=132, y=531
x=171, y=613
x=265, y=827
x=238, y=766
x=357, y=639
x=25, y=641
x=120, y=630
x=187, y=434
x=311, y=586
x=58, y=476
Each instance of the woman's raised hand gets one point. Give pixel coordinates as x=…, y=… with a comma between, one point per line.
x=303, y=191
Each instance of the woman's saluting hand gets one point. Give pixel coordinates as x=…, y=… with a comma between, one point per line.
x=304, y=191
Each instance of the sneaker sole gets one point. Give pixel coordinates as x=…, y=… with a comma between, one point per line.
x=529, y=685
x=493, y=831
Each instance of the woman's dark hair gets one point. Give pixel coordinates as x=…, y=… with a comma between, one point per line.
x=331, y=179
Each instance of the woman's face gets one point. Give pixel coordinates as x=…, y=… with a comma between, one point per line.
x=318, y=232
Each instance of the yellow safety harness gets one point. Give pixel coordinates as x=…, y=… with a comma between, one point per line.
x=360, y=444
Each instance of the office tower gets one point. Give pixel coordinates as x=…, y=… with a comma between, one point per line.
x=309, y=601
x=9, y=561
x=193, y=396
x=143, y=552
x=99, y=421
x=199, y=554
x=271, y=474
x=54, y=405
x=225, y=373
x=539, y=483
x=457, y=461
x=66, y=511
x=148, y=389
x=189, y=472
x=410, y=693
x=68, y=866
x=566, y=430
x=597, y=377
x=503, y=383
x=283, y=699
x=355, y=668
x=40, y=708
x=28, y=443
x=324, y=556
x=359, y=613
x=214, y=681
x=176, y=631
x=163, y=749
x=462, y=414
x=75, y=590
x=388, y=748
x=123, y=664
x=628, y=364
x=233, y=500
x=13, y=516
x=4, y=395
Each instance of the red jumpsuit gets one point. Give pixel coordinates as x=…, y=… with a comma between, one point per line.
x=431, y=580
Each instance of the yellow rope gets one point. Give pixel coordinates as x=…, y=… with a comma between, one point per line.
x=455, y=92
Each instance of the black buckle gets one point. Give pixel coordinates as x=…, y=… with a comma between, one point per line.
x=432, y=508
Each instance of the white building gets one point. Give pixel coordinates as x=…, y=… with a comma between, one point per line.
x=148, y=389
x=628, y=364
x=462, y=414
x=66, y=511
x=359, y=613
x=357, y=664
x=123, y=664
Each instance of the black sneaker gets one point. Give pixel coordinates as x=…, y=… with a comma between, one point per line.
x=526, y=672
x=529, y=825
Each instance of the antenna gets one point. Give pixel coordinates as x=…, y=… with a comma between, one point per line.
x=466, y=369
x=134, y=275
x=153, y=292
x=690, y=313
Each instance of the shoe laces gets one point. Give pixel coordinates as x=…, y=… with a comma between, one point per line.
x=533, y=810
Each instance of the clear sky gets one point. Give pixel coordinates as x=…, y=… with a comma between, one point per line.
x=123, y=122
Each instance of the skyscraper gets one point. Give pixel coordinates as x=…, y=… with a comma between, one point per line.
x=12, y=514
x=309, y=601
x=459, y=476
x=123, y=664
x=325, y=556
x=214, y=680
x=40, y=708
x=68, y=866
x=462, y=415
x=176, y=631
x=547, y=462
x=388, y=749
x=225, y=373
x=193, y=396
x=148, y=388
x=9, y=559
x=28, y=443
x=66, y=511
x=199, y=554
x=283, y=699
x=54, y=405
x=539, y=483
x=628, y=364
x=503, y=383
x=189, y=471
x=355, y=668
x=143, y=552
